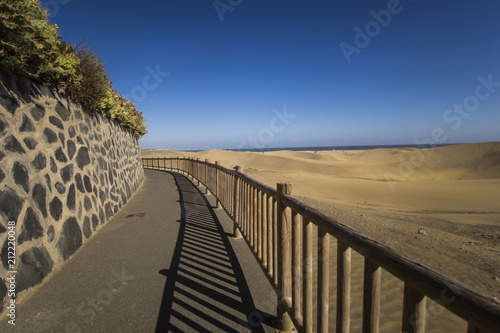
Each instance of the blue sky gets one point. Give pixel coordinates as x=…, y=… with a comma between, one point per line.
x=246, y=74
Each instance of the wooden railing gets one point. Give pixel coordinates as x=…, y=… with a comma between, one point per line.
x=279, y=229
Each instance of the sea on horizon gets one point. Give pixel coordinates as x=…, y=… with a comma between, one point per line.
x=322, y=148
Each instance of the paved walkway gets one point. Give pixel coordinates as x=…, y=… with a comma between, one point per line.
x=165, y=263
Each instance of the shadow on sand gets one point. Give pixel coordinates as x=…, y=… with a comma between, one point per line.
x=205, y=290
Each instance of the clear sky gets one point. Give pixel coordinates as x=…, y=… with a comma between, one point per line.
x=286, y=73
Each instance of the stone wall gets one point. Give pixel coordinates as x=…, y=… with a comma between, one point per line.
x=64, y=171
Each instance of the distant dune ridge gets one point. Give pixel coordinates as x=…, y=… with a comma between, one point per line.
x=440, y=206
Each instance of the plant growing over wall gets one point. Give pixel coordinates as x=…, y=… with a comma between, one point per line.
x=31, y=47
x=91, y=80
x=117, y=107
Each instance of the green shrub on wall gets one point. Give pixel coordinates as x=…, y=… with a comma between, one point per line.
x=31, y=47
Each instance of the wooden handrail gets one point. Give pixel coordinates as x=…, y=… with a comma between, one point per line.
x=269, y=219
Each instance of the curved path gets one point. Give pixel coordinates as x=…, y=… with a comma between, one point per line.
x=165, y=263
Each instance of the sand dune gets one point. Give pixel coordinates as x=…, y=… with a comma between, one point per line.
x=452, y=193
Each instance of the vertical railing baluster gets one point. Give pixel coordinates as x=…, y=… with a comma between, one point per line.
x=371, y=297
x=270, y=248
x=323, y=279
x=236, y=207
x=258, y=229
x=297, y=266
x=275, y=242
x=253, y=215
x=264, y=231
x=307, y=249
x=217, y=185
x=343, y=287
x=284, y=259
x=413, y=310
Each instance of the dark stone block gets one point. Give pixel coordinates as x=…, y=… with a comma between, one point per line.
x=71, y=149
x=110, y=176
x=80, y=211
x=2, y=229
x=71, y=198
x=101, y=216
x=60, y=156
x=2, y=155
x=102, y=163
x=84, y=129
x=87, y=231
x=30, y=143
x=95, y=190
x=87, y=203
x=67, y=173
x=115, y=209
x=103, y=181
x=95, y=222
x=9, y=103
x=70, y=238
x=4, y=254
x=37, y=112
x=48, y=181
x=49, y=135
x=102, y=196
x=39, y=162
x=127, y=189
x=21, y=178
x=24, y=86
x=79, y=183
x=34, y=265
x=87, y=183
x=3, y=294
x=56, y=208
x=78, y=115
x=31, y=229
x=26, y=125
x=62, y=138
x=82, y=158
x=113, y=198
x=13, y=145
x=53, y=166
x=3, y=125
x=71, y=131
x=60, y=188
x=108, y=210
x=2, y=175
x=39, y=194
x=10, y=204
x=62, y=111
x=79, y=140
x=50, y=234
x=56, y=122
x=103, y=151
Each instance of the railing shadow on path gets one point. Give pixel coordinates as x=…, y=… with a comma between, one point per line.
x=205, y=290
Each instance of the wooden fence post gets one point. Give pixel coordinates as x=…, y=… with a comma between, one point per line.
x=284, y=259
x=206, y=176
x=236, y=206
x=371, y=297
x=217, y=190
